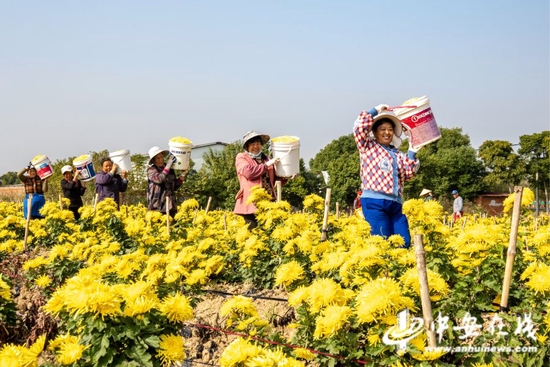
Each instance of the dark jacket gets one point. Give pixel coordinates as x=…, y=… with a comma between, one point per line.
x=110, y=186
x=73, y=190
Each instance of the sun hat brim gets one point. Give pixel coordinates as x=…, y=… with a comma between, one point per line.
x=251, y=135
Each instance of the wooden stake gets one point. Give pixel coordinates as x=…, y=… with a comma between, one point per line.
x=278, y=190
x=167, y=216
x=511, y=254
x=60, y=202
x=337, y=210
x=95, y=201
x=424, y=290
x=29, y=208
x=208, y=204
x=325, y=217
x=225, y=221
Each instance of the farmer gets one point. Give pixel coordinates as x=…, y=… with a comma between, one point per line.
x=427, y=195
x=384, y=169
x=34, y=186
x=162, y=182
x=458, y=206
x=110, y=184
x=254, y=168
x=73, y=189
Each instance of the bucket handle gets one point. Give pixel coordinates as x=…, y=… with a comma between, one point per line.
x=287, y=153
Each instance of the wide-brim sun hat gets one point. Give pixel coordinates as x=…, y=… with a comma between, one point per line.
x=65, y=169
x=425, y=192
x=252, y=134
x=156, y=150
x=397, y=129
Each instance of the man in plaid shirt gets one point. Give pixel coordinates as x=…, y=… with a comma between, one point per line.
x=384, y=169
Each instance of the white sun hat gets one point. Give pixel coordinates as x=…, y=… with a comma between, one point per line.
x=66, y=169
x=425, y=192
x=252, y=134
x=397, y=128
x=156, y=150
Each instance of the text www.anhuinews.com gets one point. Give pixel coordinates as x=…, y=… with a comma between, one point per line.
x=483, y=349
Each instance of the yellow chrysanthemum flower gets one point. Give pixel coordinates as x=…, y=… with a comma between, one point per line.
x=176, y=308
x=381, y=297
x=171, y=349
x=288, y=273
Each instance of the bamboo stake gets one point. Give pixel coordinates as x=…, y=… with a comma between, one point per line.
x=337, y=210
x=325, y=216
x=225, y=221
x=511, y=254
x=167, y=216
x=424, y=290
x=60, y=202
x=95, y=201
x=29, y=208
x=278, y=189
x=208, y=204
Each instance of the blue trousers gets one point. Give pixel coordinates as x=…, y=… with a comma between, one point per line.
x=38, y=202
x=386, y=218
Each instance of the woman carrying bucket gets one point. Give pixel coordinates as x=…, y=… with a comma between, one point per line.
x=73, y=189
x=384, y=169
x=35, y=187
x=254, y=168
x=162, y=182
x=110, y=184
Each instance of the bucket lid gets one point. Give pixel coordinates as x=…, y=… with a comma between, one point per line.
x=119, y=152
x=413, y=102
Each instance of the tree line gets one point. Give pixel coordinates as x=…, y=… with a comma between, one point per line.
x=446, y=164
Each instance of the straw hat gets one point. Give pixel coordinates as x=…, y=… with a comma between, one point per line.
x=252, y=134
x=66, y=169
x=154, y=151
x=425, y=192
x=397, y=128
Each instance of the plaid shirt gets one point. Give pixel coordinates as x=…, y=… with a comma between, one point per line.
x=33, y=185
x=383, y=169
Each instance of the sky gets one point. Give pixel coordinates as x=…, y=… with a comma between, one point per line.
x=86, y=76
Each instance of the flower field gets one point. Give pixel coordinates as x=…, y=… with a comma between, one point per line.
x=125, y=288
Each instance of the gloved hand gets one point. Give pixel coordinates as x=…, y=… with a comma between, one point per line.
x=170, y=162
x=29, y=166
x=381, y=107
x=272, y=161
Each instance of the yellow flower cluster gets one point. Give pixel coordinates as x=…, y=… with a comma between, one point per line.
x=181, y=140
x=285, y=139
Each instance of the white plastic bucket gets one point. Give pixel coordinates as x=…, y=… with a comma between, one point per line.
x=182, y=152
x=419, y=121
x=43, y=166
x=122, y=159
x=287, y=149
x=84, y=165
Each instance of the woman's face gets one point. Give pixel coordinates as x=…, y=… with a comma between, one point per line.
x=384, y=133
x=107, y=166
x=32, y=172
x=158, y=160
x=255, y=146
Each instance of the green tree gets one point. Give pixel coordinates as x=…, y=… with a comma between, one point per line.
x=446, y=164
x=535, y=151
x=504, y=166
x=9, y=178
x=340, y=158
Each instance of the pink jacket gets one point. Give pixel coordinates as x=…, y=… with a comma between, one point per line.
x=250, y=174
